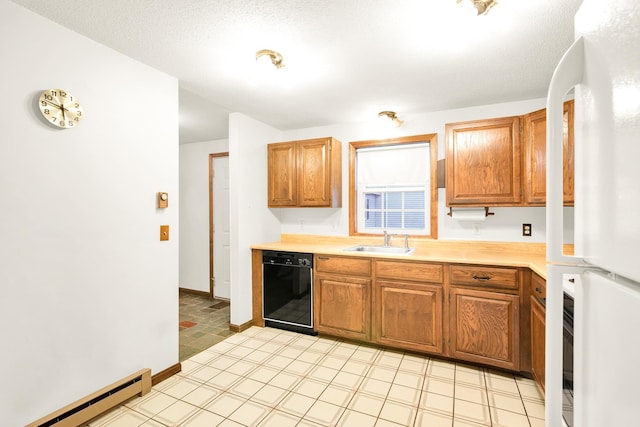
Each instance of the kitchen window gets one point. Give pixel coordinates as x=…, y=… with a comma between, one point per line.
x=394, y=208
x=392, y=186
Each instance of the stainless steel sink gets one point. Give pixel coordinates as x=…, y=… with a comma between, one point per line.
x=392, y=250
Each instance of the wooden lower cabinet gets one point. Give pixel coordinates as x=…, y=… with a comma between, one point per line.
x=403, y=304
x=538, y=325
x=484, y=327
x=343, y=306
x=408, y=315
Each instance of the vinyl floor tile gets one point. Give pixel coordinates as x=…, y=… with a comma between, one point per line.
x=356, y=419
x=274, y=378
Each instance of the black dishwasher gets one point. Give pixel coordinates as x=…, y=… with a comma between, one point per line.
x=287, y=291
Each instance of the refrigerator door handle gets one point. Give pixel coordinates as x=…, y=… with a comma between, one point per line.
x=567, y=74
x=553, y=341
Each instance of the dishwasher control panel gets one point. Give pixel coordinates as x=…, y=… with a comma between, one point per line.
x=288, y=258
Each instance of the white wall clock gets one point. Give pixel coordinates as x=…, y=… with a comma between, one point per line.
x=60, y=108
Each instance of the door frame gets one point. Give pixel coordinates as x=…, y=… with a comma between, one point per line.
x=212, y=157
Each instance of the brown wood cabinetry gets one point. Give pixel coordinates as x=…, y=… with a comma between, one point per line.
x=493, y=277
x=305, y=173
x=342, y=296
x=282, y=170
x=483, y=162
x=502, y=162
x=484, y=315
x=485, y=327
x=408, y=305
x=537, y=341
x=538, y=286
x=538, y=324
x=535, y=145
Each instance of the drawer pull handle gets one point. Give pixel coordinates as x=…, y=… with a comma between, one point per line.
x=482, y=278
x=539, y=290
x=324, y=258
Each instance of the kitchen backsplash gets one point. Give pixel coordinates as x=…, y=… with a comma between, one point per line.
x=505, y=225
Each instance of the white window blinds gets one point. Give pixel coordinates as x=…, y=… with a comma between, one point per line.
x=397, y=165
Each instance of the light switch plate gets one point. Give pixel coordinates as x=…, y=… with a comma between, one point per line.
x=164, y=232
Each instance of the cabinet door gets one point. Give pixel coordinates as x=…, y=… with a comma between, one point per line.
x=343, y=306
x=483, y=162
x=537, y=341
x=281, y=175
x=535, y=146
x=408, y=315
x=484, y=327
x=314, y=173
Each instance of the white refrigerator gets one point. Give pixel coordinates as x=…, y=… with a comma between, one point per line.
x=603, y=66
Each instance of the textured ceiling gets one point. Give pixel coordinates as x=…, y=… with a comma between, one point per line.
x=345, y=60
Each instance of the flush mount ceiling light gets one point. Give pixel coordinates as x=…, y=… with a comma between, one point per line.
x=276, y=58
x=392, y=116
x=482, y=6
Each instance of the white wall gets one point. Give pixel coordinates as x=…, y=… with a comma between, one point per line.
x=194, y=212
x=250, y=219
x=89, y=293
x=505, y=225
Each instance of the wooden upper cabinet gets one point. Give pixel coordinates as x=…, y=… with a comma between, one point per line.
x=320, y=173
x=305, y=173
x=535, y=146
x=282, y=180
x=483, y=162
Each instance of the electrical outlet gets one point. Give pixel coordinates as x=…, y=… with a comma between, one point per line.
x=526, y=229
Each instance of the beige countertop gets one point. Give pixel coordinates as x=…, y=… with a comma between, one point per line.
x=531, y=255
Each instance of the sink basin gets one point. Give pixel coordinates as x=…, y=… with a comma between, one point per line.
x=391, y=250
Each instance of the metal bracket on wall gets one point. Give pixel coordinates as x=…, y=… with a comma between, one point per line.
x=486, y=211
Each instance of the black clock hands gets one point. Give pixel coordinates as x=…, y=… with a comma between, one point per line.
x=59, y=107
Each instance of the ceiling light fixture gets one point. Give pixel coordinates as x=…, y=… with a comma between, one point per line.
x=276, y=58
x=482, y=6
x=392, y=116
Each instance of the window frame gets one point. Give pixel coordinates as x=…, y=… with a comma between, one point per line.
x=432, y=139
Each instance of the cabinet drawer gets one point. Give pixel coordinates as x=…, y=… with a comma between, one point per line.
x=343, y=265
x=494, y=277
x=538, y=286
x=422, y=272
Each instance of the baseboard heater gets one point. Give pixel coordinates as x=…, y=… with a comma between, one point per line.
x=87, y=408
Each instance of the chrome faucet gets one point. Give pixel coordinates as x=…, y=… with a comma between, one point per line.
x=406, y=241
x=387, y=238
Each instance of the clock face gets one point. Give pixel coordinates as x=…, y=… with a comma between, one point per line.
x=60, y=108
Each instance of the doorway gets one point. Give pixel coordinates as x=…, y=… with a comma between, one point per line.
x=219, y=229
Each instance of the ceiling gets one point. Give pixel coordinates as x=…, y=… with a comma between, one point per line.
x=345, y=60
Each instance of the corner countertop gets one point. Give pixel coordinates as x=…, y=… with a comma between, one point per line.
x=509, y=254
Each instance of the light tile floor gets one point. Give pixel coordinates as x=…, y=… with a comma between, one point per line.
x=269, y=377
